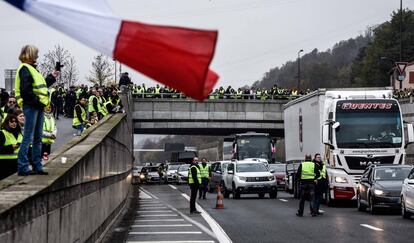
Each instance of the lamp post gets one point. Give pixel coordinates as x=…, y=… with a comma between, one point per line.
x=298, y=85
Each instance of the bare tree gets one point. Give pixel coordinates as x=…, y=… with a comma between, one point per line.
x=69, y=72
x=102, y=71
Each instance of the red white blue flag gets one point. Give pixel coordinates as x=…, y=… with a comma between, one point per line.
x=177, y=57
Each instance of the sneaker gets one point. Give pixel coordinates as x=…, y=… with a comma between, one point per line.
x=41, y=172
x=196, y=212
x=299, y=215
x=314, y=214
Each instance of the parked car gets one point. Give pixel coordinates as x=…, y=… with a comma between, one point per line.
x=218, y=168
x=136, y=173
x=380, y=187
x=279, y=173
x=150, y=174
x=182, y=173
x=170, y=174
x=407, y=196
x=249, y=177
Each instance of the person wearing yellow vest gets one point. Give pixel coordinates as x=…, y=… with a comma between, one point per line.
x=307, y=173
x=31, y=91
x=49, y=131
x=79, y=116
x=205, y=175
x=194, y=180
x=94, y=104
x=10, y=139
x=322, y=184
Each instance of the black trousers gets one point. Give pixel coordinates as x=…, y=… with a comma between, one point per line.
x=203, y=188
x=46, y=148
x=307, y=192
x=194, y=190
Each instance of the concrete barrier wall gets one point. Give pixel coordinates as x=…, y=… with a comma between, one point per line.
x=78, y=200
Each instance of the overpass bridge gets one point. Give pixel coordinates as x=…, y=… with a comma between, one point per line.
x=211, y=117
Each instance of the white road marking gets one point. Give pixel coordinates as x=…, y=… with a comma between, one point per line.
x=144, y=195
x=150, y=207
x=160, y=225
x=173, y=187
x=283, y=200
x=221, y=235
x=371, y=227
x=154, y=211
x=148, y=193
x=180, y=241
x=159, y=220
x=158, y=215
x=167, y=233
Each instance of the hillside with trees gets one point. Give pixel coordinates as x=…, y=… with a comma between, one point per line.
x=353, y=62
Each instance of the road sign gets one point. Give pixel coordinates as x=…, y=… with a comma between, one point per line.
x=401, y=67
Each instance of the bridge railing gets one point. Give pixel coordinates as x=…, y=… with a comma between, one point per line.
x=217, y=96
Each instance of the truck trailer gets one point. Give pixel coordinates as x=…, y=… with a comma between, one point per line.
x=350, y=128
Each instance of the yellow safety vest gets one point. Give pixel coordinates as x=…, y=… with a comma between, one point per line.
x=308, y=170
x=90, y=106
x=204, y=171
x=10, y=139
x=76, y=121
x=49, y=125
x=104, y=110
x=157, y=90
x=190, y=175
x=39, y=85
x=322, y=172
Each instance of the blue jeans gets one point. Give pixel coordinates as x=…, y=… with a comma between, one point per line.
x=32, y=134
x=79, y=129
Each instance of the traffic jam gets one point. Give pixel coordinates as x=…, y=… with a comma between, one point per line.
x=360, y=136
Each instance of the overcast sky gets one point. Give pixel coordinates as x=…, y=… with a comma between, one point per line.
x=254, y=35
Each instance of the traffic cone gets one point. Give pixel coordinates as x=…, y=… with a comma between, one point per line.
x=45, y=156
x=219, y=203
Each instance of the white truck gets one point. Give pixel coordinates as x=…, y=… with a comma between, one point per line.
x=350, y=128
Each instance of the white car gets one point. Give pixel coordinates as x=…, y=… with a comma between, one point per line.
x=407, y=196
x=249, y=177
x=170, y=174
x=182, y=173
x=136, y=172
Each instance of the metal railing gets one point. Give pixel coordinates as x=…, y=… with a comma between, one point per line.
x=217, y=96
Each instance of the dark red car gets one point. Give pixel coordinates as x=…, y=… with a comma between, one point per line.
x=279, y=171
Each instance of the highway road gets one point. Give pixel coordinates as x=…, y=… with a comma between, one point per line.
x=251, y=219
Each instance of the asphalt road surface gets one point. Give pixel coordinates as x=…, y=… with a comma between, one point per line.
x=251, y=219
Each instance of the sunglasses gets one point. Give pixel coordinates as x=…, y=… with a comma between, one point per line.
x=14, y=121
x=12, y=102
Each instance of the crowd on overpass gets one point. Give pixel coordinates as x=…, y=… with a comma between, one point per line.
x=141, y=91
x=403, y=94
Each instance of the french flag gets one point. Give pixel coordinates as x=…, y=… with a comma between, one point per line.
x=177, y=57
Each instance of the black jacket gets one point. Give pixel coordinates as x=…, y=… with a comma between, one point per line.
x=26, y=89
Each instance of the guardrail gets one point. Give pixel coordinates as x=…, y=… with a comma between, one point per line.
x=219, y=97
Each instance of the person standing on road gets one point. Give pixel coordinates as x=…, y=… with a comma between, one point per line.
x=32, y=96
x=49, y=132
x=308, y=173
x=79, y=119
x=205, y=177
x=322, y=183
x=194, y=180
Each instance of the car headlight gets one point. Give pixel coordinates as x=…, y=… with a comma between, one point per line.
x=242, y=178
x=378, y=192
x=142, y=176
x=271, y=178
x=341, y=179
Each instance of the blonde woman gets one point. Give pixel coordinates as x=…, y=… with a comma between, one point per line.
x=32, y=96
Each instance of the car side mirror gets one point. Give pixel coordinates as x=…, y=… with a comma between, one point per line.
x=230, y=172
x=410, y=181
x=272, y=171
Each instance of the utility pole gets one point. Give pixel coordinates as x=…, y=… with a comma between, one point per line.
x=298, y=85
x=401, y=36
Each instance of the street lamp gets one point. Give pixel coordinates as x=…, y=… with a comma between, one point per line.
x=301, y=50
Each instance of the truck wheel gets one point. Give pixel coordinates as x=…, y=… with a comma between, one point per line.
x=329, y=201
x=273, y=195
